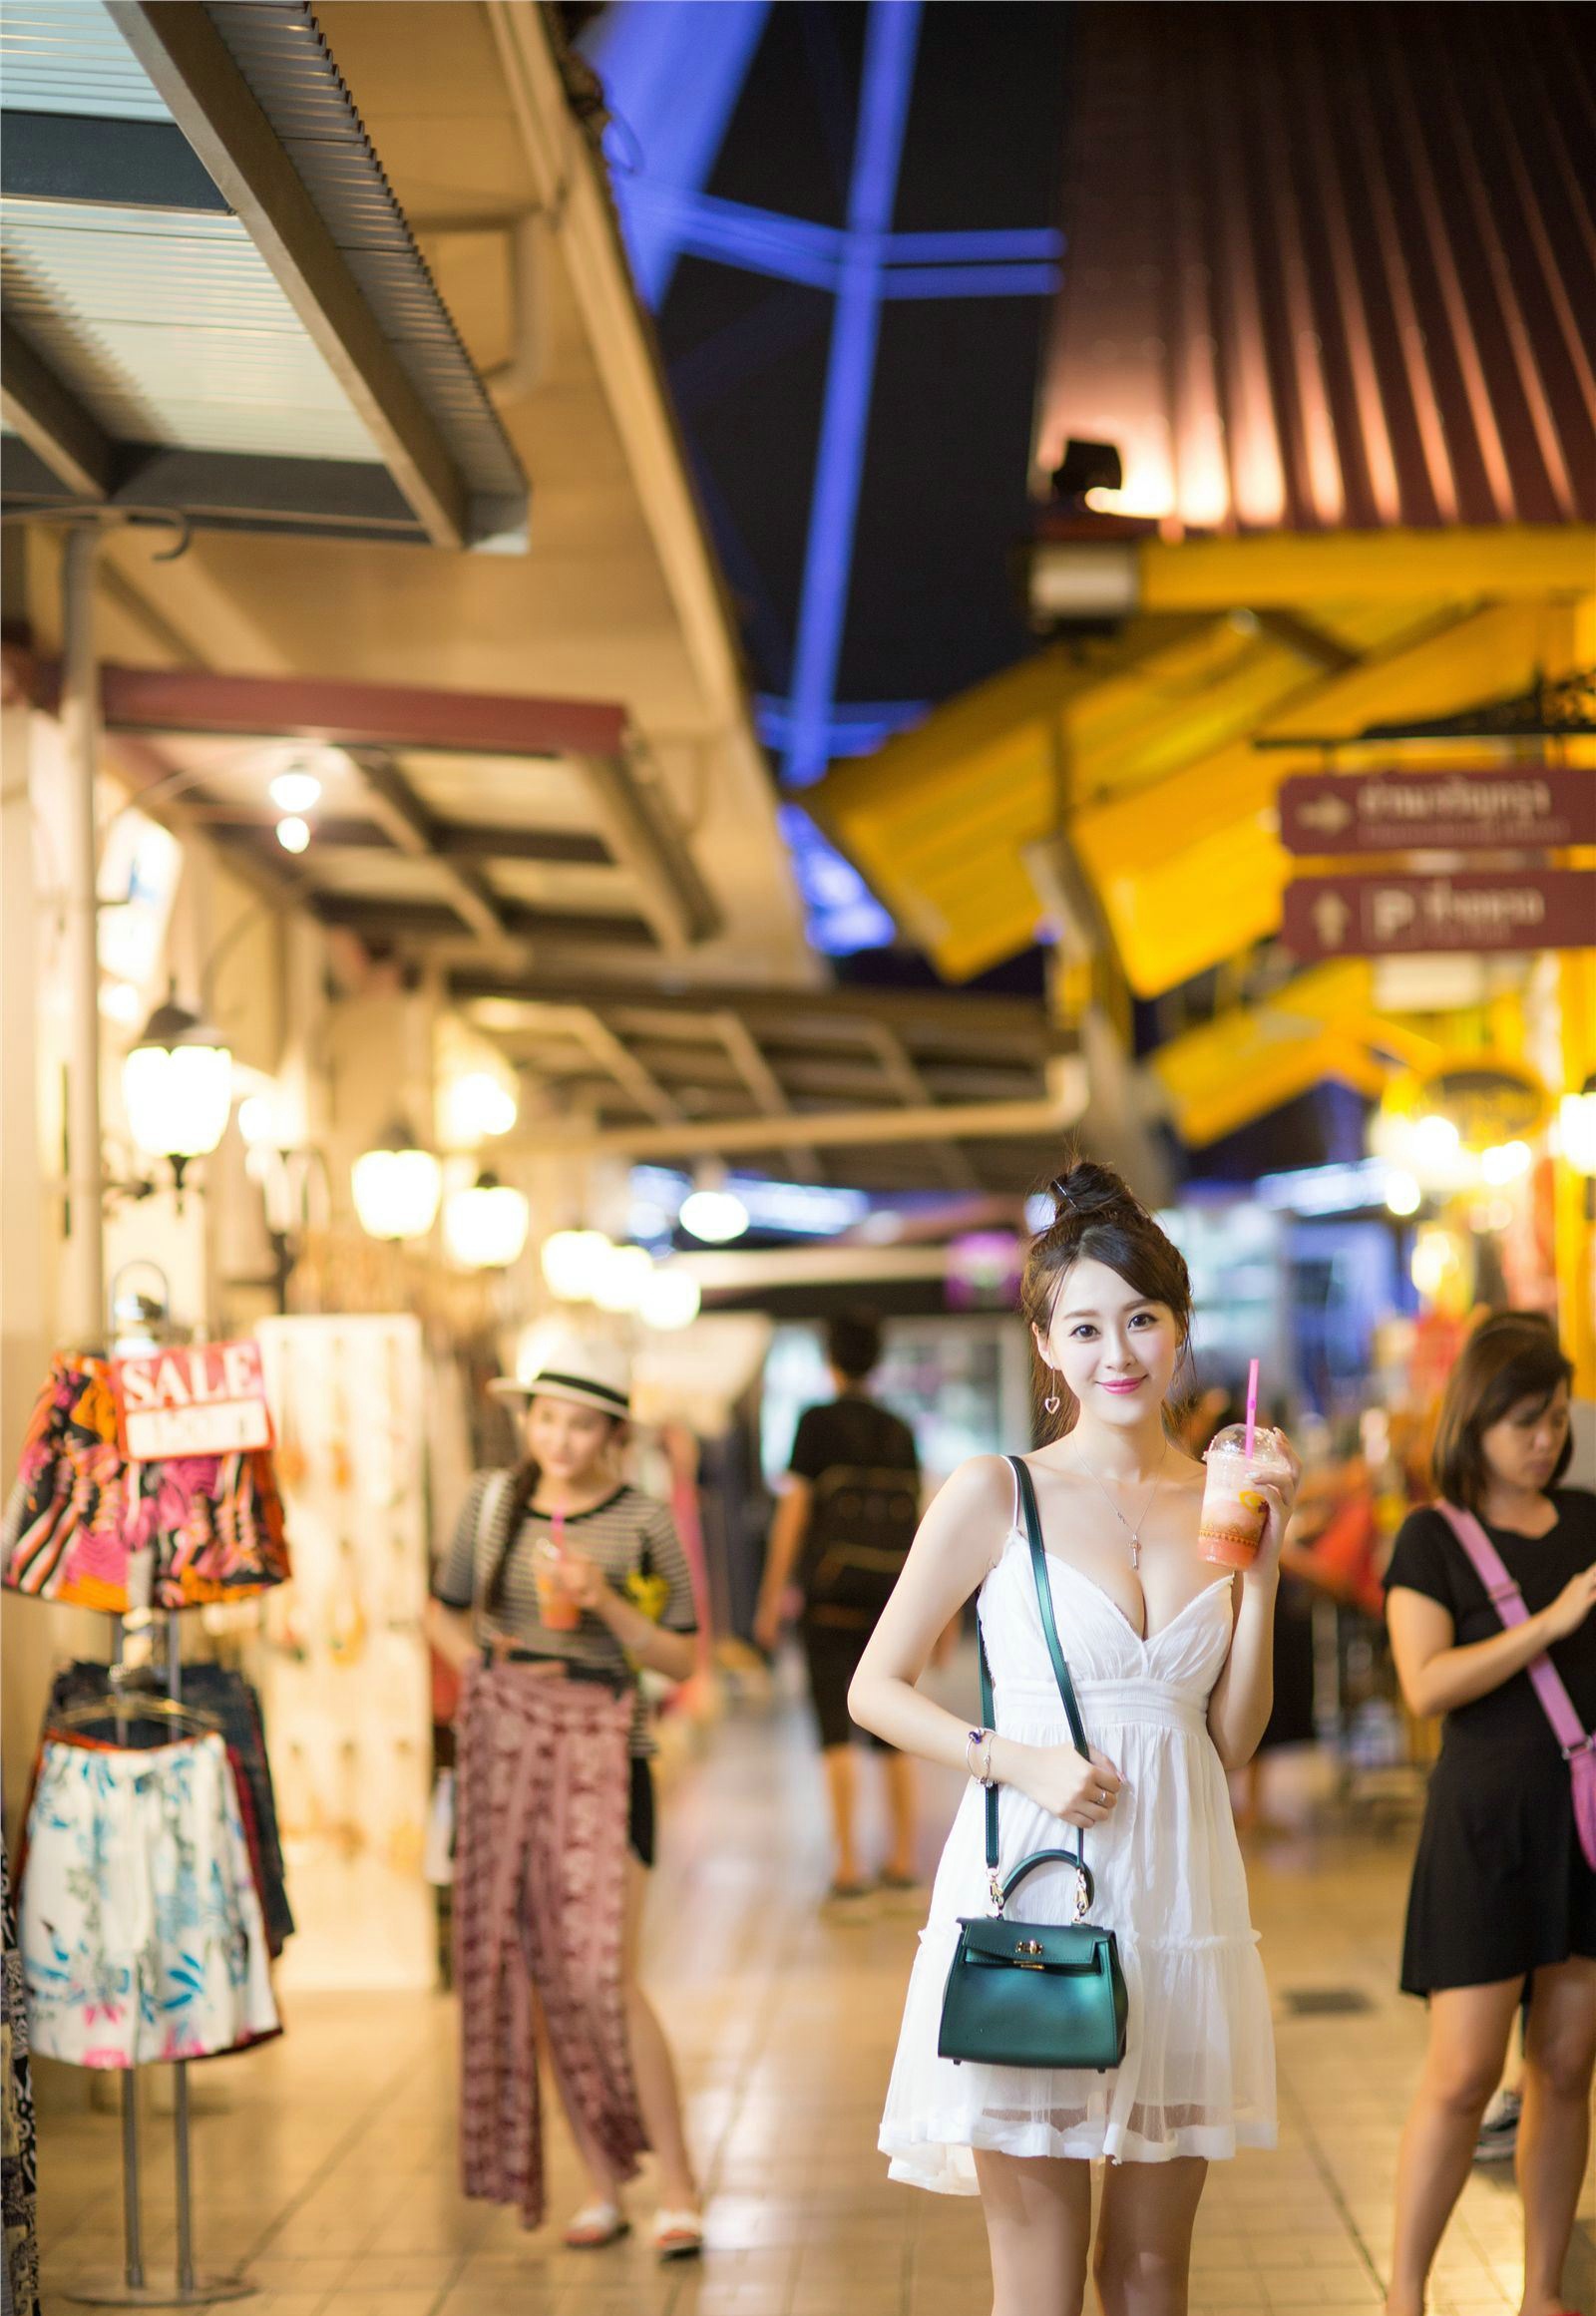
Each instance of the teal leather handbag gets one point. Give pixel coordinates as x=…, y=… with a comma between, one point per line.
x=1034, y=1994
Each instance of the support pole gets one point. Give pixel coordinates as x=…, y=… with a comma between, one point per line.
x=82, y=1313
x=890, y=44
x=179, y=2071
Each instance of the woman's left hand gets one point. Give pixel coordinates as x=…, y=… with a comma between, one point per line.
x=585, y=1582
x=1278, y=1495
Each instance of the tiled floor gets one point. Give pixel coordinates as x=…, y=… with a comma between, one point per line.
x=325, y=2164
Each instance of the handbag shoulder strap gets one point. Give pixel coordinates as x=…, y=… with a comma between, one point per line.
x=1076, y=1857
x=1044, y=1603
x=1508, y=1602
x=491, y=1506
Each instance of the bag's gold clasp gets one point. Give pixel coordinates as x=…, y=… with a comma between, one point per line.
x=994, y=1890
x=1082, y=1897
x=1027, y=1953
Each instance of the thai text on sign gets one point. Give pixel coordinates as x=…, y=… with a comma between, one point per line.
x=1377, y=916
x=1514, y=808
x=203, y=1400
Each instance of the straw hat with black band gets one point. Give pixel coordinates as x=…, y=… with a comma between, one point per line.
x=588, y=1374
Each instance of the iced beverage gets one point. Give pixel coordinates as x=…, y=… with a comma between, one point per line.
x=558, y=1612
x=1233, y=1510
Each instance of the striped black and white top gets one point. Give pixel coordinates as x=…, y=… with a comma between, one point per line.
x=629, y=1535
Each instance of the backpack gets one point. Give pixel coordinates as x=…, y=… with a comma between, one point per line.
x=862, y=1522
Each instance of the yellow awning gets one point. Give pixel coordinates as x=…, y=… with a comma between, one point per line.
x=1141, y=751
x=1251, y=1058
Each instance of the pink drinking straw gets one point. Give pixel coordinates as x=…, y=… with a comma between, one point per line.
x=557, y=1519
x=1252, y=1405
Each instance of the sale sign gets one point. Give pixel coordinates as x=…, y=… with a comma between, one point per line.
x=204, y=1400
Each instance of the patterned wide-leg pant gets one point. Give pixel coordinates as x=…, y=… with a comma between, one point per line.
x=543, y=1785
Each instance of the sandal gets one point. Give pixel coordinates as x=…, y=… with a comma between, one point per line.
x=679, y=2235
x=596, y=2226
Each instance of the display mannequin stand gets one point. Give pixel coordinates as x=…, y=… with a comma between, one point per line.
x=129, y=2289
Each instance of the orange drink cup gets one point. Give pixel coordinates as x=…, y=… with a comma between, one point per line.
x=1233, y=1510
x=557, y=1609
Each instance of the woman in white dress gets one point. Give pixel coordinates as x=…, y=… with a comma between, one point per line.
x=1171, y=1665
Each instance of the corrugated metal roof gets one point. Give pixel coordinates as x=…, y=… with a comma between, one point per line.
x=1331, y=265
x=279, y=49
x=172, y=329
x=72, y=58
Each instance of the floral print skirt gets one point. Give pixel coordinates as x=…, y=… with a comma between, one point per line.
x=140, y=1920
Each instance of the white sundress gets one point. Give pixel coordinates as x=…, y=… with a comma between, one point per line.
x=1198, y=2075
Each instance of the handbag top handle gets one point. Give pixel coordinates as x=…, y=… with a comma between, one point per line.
x=1003, y=1889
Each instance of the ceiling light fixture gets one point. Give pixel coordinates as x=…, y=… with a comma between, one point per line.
x=296, y=791
x=396, y=1187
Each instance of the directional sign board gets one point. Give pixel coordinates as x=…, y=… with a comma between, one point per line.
x=1515, y=808
x=1486, y=914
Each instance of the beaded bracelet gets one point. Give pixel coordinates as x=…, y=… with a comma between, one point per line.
x=982, y=1776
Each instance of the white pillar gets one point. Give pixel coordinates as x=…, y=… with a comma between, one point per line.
x=82, y=1309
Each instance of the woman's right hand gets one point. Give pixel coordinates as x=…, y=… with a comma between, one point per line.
x=1081, y=1792
x=1572, y=1604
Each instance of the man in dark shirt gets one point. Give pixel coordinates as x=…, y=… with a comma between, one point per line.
x=856, y=1446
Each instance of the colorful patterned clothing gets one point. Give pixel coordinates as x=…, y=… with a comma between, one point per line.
x=226, y=1698
x=79, y=1510
x=539, y=1901
x=141, y=1927
x=17, y=2149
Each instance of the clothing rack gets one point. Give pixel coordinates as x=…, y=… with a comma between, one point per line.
x=129, y=2289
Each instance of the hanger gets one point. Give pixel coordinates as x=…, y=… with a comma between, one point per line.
x=127, y=1706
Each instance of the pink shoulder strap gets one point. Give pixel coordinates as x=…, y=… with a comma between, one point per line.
x=1578, y=1749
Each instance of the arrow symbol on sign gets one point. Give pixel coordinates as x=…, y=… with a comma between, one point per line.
x=1329, y=813
x=1331, y=916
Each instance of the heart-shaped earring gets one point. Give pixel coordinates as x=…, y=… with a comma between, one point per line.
x=1051, y=1402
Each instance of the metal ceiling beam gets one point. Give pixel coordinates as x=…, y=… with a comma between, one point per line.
x=993, y=1121
x=765, y=1086
x=899, y=1070
x=975, y=1026
x=414, y=926
x=234, y=491
x=124, y=165
x=51, y=420
x=545, y=847
x=352, y=715
x=623, y=1066
x=642, y=832
x=208, y=95
x=397, y=809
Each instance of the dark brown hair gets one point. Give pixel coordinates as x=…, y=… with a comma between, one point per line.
x=1096, y=1219
x=852, y=1342
x=1511, y=1358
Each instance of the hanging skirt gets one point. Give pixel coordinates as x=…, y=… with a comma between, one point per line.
x=139, y=1921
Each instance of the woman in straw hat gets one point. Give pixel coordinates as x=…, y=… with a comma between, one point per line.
x=560, y=1572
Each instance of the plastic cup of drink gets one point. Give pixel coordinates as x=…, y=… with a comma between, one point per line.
x=558, y=1612
x=1233, y=1510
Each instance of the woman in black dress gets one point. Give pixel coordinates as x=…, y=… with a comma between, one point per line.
x=1502, y=1912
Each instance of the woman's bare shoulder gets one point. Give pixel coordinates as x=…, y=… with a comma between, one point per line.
x=973, y=1508
x=979, y=1480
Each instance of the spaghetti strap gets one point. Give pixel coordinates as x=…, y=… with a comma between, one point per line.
x=1013, y=1462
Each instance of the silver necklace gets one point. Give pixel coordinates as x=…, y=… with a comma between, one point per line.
x=1134, y=1532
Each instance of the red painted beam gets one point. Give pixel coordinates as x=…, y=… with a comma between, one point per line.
x=350, y=715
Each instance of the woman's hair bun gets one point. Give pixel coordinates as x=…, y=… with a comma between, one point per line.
x=1085, y=1191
